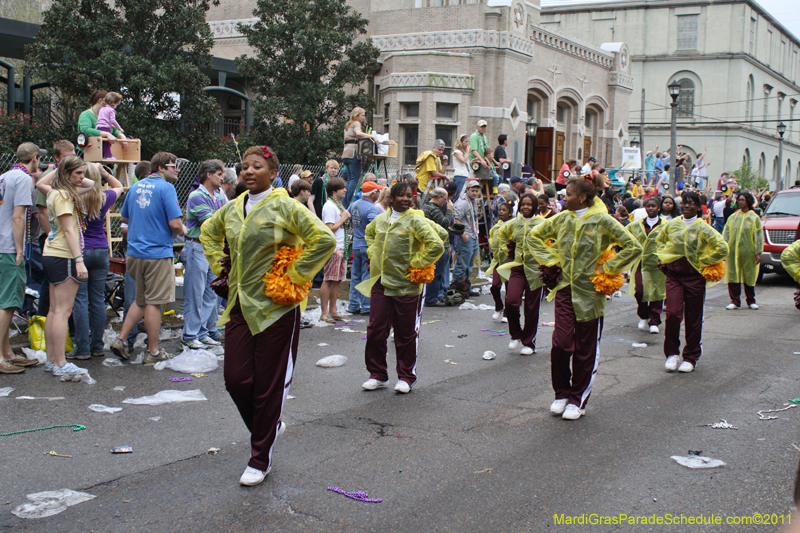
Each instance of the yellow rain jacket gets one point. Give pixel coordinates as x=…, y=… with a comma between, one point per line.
x=272, y=223
x=499, y=254
x=790, y=259
x=579, y=244
x=700, y=244
x=412, y=241
x=654, y=282
x=745, y=238
x=516, y=230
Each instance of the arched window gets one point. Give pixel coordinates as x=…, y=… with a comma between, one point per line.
x=748, y=103
x=762, y=166
x=686, y=98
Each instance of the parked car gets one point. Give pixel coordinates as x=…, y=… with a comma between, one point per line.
x=780, y=221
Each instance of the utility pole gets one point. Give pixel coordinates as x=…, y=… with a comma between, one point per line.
x=641, y=140
x=674, y=92
x=781, y=131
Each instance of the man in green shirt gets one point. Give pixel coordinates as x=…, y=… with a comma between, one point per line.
x=478, y=148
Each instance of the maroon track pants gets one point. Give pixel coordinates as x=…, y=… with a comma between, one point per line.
x=579, y=341
x=497, y=283
x=517, y=287
x=686, y=295
x=735, y=292
x=650, y=311
x=403, y=313
x=258, y=373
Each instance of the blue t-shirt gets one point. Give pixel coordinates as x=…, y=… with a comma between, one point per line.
x=362, y=213
x=659, y=164
x=149, y=206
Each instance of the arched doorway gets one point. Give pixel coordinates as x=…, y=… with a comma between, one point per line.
x=566, y=135
x=539, y=149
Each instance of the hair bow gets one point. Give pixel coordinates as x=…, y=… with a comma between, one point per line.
x=267, y=152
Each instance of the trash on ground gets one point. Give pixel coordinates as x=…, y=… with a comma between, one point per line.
x=100, y=408
x=548, y=324
x=120, y=388
x=723, y=424
x=332, y=361
x=167, y=334
x=187, y=378
x=472, y=307
x=761, y=413
x=89, y=380
x=51, y=398
x=360, y=495
x=155, y=418
x=112, y=362
x=54, y=454
x=213, y=451
x=639, y=345
x=695, y=452
x=139, y=341
x=138, y=360
x=484, y=471
x=322, y=344
x=796, y=400
x=109, y=336
x=218, y=351
x=697, y=461
x=448, y=361
x=190, y=361
x=197, y=375
x=50, y=503
x=449, y=346
x=122, y=449
x=489, y=355
x=430, y=322
x=462, y=336
x=168, y=396
x=5, y=391
x=796, y=353
x=290, y=397
x=39, y=355
x=499, y=334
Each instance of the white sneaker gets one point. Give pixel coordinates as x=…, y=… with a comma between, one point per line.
x=208, y=341
x=253, y=476
x=513, y=345
x=753, y=306
x=686, y=367
x=527, y=350
x=372, y=384
x=573, y=412
x=504, y=320
x=69, y=369
x=402, y=387
x=731, y=307
x=558, y=406
x=194, y=344
x=672, y=363
x=497, y=315
x=643, y=324
x=654, y=329
x=281, y=429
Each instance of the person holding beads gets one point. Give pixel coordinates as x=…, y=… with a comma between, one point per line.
x=745, y=238
x=276, y=247
x=649, y=283
x=523, y=279
x=62, y=257
x=690, y=253
x=585, y=235
x=403, y=247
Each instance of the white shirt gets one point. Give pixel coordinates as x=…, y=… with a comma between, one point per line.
x=292, y=179
x=689, y=221
x=586, y=169
x=651, y=222
x=331, y=215
x=253, y=199
x=459, y=168
x=581, y=212
x=663, y=182
x=719, y=205
x=394, y=216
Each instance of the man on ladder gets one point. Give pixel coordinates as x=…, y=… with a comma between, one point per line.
x=430, y=168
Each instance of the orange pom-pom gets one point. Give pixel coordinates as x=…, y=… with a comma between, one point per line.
x=608, y=254
x=421, y=275
x=549, y=242
x=715, y=273
x=278, y=286
x=606, y=283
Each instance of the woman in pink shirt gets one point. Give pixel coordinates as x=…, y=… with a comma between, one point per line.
x=561, y=182
x=107, y=119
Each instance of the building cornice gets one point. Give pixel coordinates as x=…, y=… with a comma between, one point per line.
x=564, y=44
x=433, y=80
x=225, y=29
x=438, y=40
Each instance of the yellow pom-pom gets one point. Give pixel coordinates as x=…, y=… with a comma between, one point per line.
x=421, y=275
x=606, y=283
x=608, y=254
x=715, y=273
x=278, y=286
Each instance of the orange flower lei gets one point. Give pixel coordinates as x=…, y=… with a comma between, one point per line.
x=278, y=285
x=421, y=275
x=606, y=283
x=715, y=273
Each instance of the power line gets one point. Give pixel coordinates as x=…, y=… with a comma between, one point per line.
x=630, y=124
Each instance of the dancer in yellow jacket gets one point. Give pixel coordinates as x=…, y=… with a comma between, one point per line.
x=648, y=284
x=745, y=238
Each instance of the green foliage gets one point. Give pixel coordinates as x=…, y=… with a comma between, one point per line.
x=747, y=178
x=147, y=50
x=307, y=72
x=19, y=128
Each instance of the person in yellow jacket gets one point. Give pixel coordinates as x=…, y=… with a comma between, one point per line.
x=648, y=284
x=745, y=238
x=790, y=259
x=690, y=252
x=276, y=248
x=520, y=284
x=499, y=257
x=403, y=247
x=584, y=235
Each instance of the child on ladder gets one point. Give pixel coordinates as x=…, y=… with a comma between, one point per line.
x=107, y=119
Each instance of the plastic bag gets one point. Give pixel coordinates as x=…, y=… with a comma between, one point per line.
x=190, y=361
x=109, y=336
x=112, y=362
x=168, y=396
x=36, y=334
x=697, y=461
x=332, y=361
x=5, y=391
x=472, y=307
x=50, y=503
x=35, y=354
x=100, y=408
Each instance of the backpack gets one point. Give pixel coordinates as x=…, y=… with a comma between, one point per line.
x=452, y=298
x=461, y=286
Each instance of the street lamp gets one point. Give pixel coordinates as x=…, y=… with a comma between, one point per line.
x=781, y=131
x=531, y=127
x=674, y=92
x=635, y=143
x=530, y=130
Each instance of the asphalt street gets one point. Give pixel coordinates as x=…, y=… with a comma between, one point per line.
x=472, y=448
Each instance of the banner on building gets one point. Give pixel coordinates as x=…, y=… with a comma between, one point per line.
x=631, y=158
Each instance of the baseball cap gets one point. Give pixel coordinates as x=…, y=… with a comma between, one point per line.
x=517, y=179
x=592, y=158
x=473, y=183
x=305, y=174
x=370, y=186
x=27, y=151
x=482, y=123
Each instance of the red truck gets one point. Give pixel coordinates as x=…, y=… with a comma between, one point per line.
x=780, y=220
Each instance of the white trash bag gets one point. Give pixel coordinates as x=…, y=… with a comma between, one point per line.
x=50, y=503
x=190, y=361
x=168, y=396
x=697, y=461
x=332, y=361
x=39, y=355
x=100, y=408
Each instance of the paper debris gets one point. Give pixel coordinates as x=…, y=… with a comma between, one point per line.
x=697, y=461
x=332, y=361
